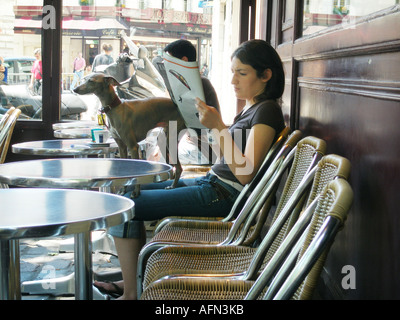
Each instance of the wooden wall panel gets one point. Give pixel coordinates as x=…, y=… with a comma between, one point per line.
x=345, y=88
x=366, y=131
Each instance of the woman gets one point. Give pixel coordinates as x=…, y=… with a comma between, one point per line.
x=36, y=78
x=258, y=79
x=79, y=66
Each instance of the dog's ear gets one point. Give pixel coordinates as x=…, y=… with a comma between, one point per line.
x=112, y=81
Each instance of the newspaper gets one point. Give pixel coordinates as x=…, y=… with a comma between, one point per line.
x=184, y=85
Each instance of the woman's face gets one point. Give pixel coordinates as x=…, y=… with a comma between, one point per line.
x=245, y=82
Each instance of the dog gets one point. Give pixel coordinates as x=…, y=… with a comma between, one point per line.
x=131, y=120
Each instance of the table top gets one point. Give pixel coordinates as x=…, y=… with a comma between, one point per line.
x=77, y=133
x=72, y=147
x=30, y=213
x=75, y=125
x=81, y=173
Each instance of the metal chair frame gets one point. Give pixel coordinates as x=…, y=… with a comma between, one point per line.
x=281, y=160
x=290, y=266
x=265, y=188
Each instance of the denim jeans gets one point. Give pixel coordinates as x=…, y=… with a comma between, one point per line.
x=77, y=77
x=200, y=197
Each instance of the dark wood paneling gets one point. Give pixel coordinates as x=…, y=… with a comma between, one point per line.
x=348, y=93
x=343, y=85
x=366, y=131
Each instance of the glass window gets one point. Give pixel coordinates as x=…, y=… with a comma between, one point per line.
x=20, y=51
x=88, y=25
x=140, y=30
x=321, y=14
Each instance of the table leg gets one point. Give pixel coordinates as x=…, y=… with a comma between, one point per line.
x=83, y=266
x=10, y=288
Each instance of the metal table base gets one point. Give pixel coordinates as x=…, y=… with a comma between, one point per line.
x=55, y=215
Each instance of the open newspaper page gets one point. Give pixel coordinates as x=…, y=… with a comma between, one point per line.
x=184, y=86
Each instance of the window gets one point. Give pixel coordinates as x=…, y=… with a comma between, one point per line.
x=21, y=38
x=322, y=14
x=88, y=25
x=149, y=25
x=341, y=7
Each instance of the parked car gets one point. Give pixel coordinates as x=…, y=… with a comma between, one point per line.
x=19, y=69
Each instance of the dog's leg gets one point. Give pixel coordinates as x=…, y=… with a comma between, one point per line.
x=178, y=167
x=135, y=155
x=134, y=151
x=178, y=172
x=123, y=150
x=176, y=162
x=172, y=156
x=123, y=154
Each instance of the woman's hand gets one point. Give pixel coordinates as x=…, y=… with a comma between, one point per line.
x=209, y=116
x=243, y=165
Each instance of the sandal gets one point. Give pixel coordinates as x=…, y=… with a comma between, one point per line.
x=115, y=293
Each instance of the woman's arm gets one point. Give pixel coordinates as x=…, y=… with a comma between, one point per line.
x=243, y=166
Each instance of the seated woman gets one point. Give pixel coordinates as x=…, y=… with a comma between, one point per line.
x=258, y=79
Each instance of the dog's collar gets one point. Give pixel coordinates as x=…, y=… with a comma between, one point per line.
x=113, y=104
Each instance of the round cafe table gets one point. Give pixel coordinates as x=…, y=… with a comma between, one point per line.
x=83, y=173
x=81, y=148
x=104, y=174
x=41, y=212
x=73, y=133
x=75, y=125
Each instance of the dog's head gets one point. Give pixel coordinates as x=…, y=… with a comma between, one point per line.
x=96, y=83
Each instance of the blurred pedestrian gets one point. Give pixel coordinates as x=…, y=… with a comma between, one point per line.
x=103, y=59
x=36, y=78
x=79, y=66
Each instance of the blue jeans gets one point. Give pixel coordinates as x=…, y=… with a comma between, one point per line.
x=200, y=197
x=77, y=77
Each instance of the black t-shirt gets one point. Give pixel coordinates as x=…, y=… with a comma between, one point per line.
x=102, y=59
x=266, y=112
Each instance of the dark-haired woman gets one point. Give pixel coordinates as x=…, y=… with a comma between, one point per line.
x=258, y=79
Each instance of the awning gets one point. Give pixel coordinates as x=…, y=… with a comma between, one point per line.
x=101, y=27
x=104, y=23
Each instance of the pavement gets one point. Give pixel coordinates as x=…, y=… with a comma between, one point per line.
x=47, y=265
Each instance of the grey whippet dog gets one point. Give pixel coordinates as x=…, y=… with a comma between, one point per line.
x=131, y=120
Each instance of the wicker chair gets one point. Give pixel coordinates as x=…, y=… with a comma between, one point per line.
x=241, y=262
x=5, y=116
x=246, y=228
x=6, y=129
x=273, y=153
x=301, y=268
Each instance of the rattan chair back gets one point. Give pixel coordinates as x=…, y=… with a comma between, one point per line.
x=6, y=131
x=327, y=213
